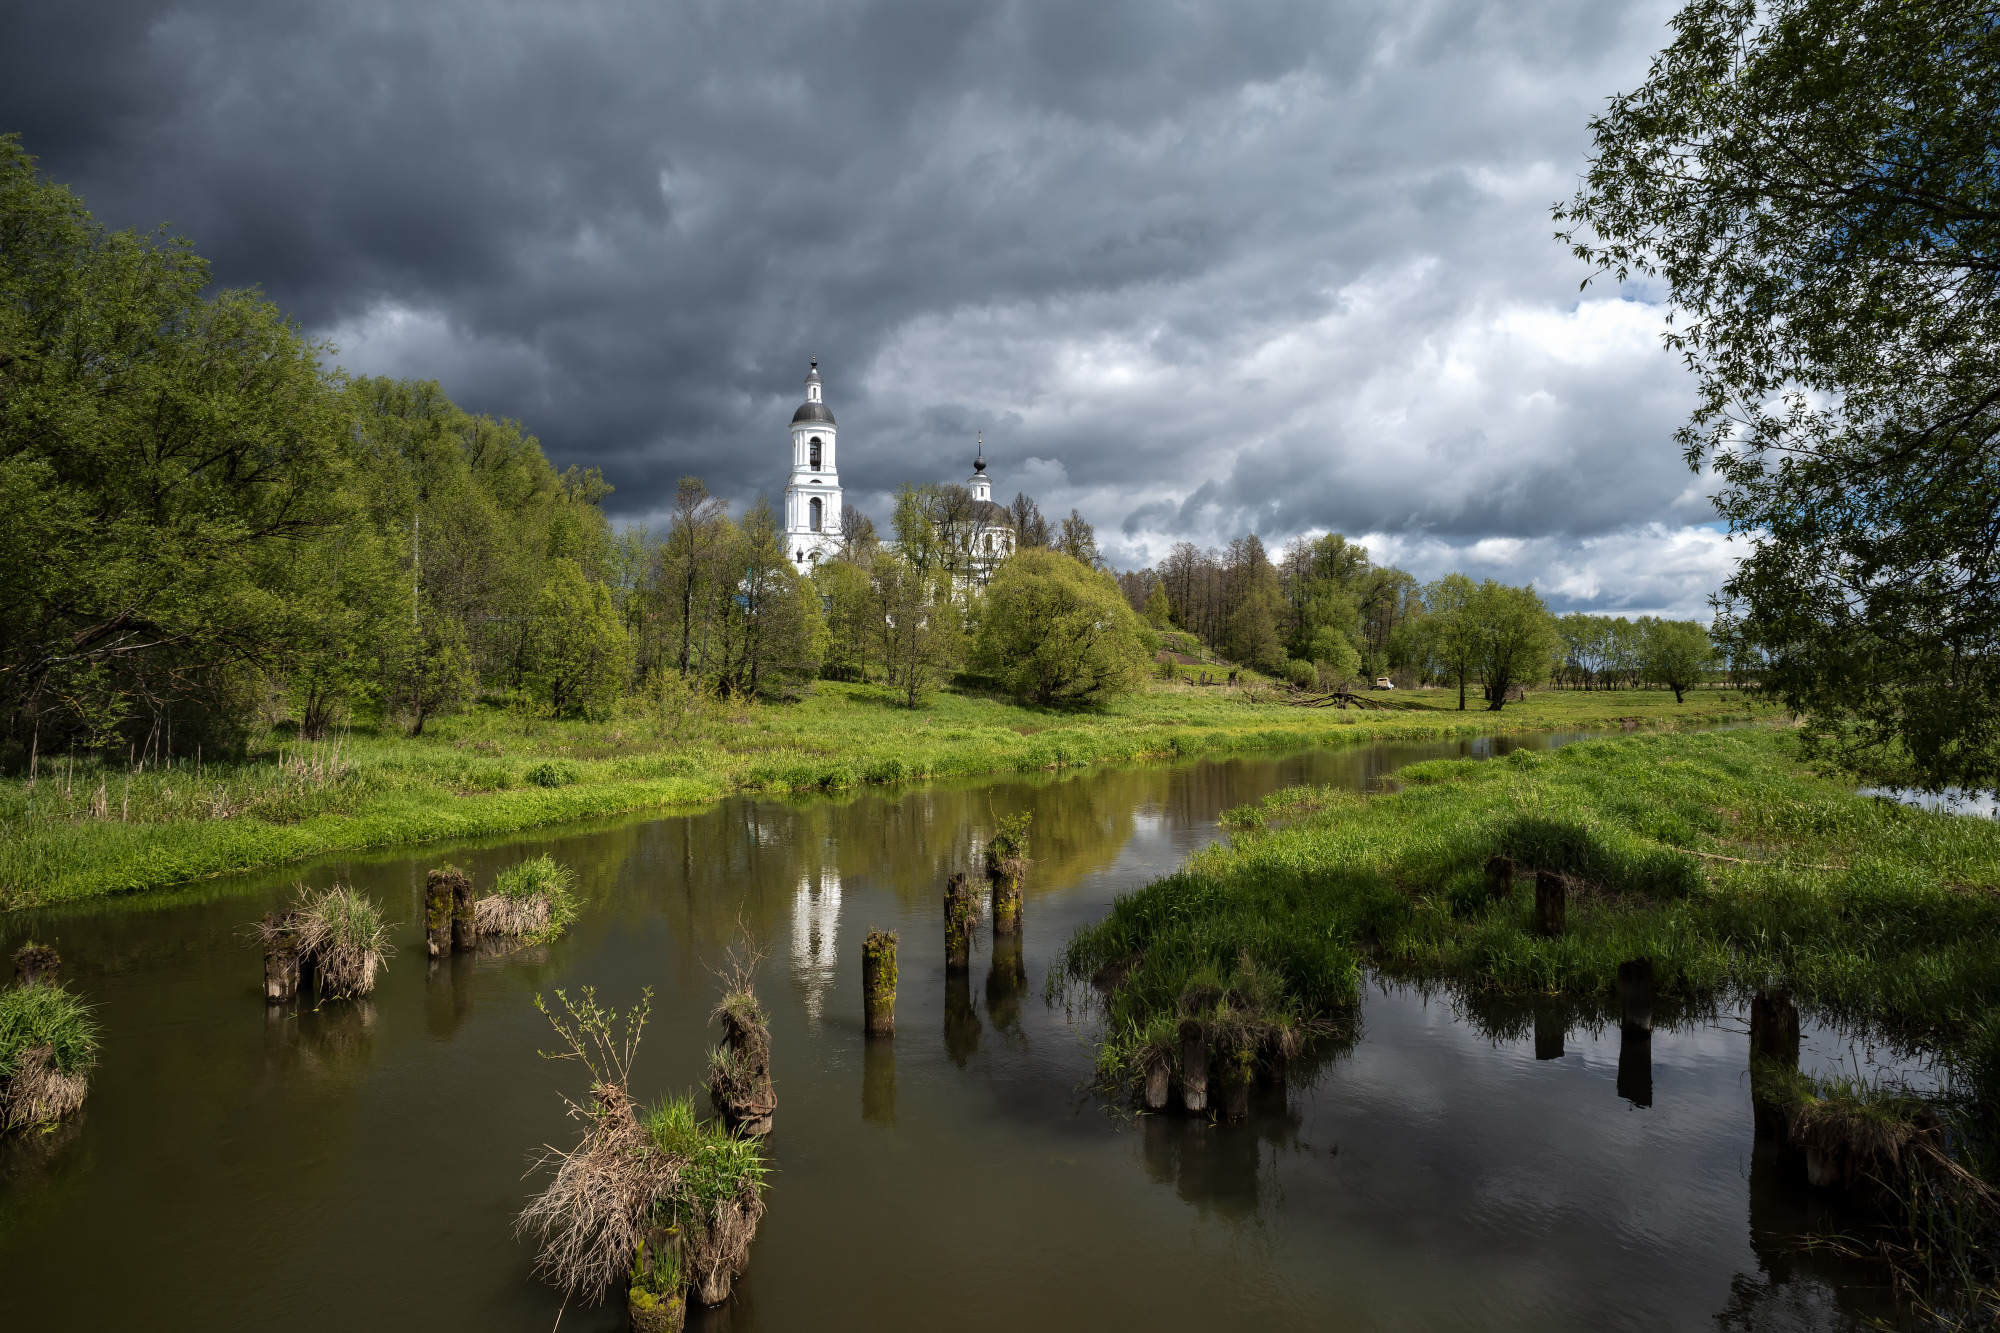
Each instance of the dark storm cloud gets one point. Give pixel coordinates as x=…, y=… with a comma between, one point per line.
x=1195, y=267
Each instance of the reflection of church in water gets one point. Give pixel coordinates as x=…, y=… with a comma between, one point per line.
x=815, y=925
x=812, y=494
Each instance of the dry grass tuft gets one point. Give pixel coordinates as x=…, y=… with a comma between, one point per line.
x=591, y=1218
x=343, y=936
x=38, y=1093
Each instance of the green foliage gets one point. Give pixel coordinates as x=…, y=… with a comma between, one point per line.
x=1058, y=632
x=545, y=877
x=1158, y=613
x=552, y=773
x=580, y=654
x=1814, y=181
x=1677, y=654
x=1513, y=637
x=718, y=1166
x=428, y=671
x=32, y=1016
x=921, y=620
x=172, y=469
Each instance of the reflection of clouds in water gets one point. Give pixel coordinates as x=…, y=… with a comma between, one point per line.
x=815, y=917
x=1950, y=801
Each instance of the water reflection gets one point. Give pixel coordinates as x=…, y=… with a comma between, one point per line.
x=815, y=931
x=1403, y=1177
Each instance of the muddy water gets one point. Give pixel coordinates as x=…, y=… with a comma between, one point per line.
x=360, y=1167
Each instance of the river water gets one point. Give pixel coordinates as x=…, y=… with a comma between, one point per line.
x=360, y=1167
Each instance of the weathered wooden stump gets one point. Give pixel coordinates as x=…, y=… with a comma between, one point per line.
x=1774, y=1053
x=464, y=920
x=1499, y=876
x=1006, y=866
x=37, y=965
x=1635, y=995
x=1194, y=1066
x=281, y=959
x=1158, y=1082
x=740, y=1078
x=1236, y=1067
x=878, y=983
x=961, y=912
x=1549, y=904
x=440, y=899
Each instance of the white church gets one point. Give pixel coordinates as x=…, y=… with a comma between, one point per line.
x=812, y=494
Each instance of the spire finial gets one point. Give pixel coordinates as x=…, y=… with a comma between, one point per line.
x=979, y=460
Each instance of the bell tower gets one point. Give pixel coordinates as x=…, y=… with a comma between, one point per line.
x=812, y=494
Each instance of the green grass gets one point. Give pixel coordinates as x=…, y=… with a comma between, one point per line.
x=545, y=876
x=85, y=830
x=51, y=1016
x=717, y=1166
x=1716, y=855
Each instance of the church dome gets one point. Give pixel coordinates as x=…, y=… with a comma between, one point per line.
x=812, y=412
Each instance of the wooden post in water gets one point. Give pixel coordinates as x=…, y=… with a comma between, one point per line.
x=1635, y=1065
x=1237, y=1068
x=1006, y=864
x=440, y=893
x=1635, y=995
x=1194, y=1066
x=38, y=965
x=878, y=982
x=1499, y=877
x=1548, y=904
x=1774, y=1052
x=281, y=959
x=464, y=925
x=1159, y=1074
x=960, y=912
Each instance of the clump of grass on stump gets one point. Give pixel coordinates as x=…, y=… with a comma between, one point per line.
x=534, y=901
x=739, y=1070
x=48, y=1045
x=667, y=1203
x=344, y=938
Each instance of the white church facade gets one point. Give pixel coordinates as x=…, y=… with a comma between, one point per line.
x=812, y=495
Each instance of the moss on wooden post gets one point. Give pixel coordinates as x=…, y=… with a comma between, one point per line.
x=960, y=914
x=1006, y=865
x=440, y=898
x=878, y=982
x=464, y=916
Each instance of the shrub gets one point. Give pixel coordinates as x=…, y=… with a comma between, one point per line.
x=553, y=773
x=534, y=900
x=1056, y=631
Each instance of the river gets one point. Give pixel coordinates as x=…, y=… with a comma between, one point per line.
x=361, y=1166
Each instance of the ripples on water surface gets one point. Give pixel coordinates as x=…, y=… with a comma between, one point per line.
x=360, y=1167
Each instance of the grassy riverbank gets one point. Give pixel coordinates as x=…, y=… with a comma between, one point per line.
x=84, y=830
x=1716, y=855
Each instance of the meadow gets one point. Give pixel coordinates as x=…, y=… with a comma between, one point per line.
x=86, y=827
x=1718, y=856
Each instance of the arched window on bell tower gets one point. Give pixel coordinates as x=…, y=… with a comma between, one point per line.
x=815, y=453
x=814, y=506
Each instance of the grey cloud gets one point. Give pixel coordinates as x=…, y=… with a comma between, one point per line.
x=1091, y=230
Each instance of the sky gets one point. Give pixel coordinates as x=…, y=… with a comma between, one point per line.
x=1194, y=267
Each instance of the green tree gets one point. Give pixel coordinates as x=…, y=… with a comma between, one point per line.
x=581, y=658
x=428, y=670
x=1058, y=632
x=1513, y=636
x=1450, y=641
x=783, y=631
x=922, y=624
x=1078, y=540
x=1158, y=612
x=853, y=621
x=1815, y=181
x=1678, y=654
x=163, y=456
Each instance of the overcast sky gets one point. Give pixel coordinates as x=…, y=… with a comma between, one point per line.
x=1195, y=268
